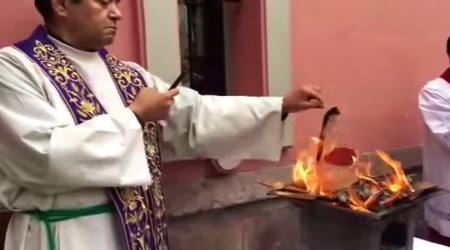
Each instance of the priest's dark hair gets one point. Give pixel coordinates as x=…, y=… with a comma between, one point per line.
x=45, y=8
x=448, y=46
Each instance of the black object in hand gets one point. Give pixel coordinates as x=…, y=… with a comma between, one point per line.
x=178, y=80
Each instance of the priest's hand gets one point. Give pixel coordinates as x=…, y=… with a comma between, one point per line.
x=151, y=105
x=305, y=97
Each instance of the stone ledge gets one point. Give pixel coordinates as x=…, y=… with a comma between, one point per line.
x=210, y=194
x=231, y=190
x=268, y=224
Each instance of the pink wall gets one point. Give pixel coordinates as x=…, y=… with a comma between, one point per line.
x=17, y=27
x=247, y=47
x=371, y=58
x=129, y=44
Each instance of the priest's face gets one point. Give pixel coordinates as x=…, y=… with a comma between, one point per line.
x=93, y=23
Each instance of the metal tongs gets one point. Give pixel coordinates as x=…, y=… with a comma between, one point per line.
x=331, y=113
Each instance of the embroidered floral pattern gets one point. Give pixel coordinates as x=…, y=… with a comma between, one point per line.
x=129, y=83
x=70, y=84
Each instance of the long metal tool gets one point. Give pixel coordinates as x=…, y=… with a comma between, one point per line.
x=326, y=118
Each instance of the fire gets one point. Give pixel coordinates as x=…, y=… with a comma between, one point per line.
x=400, y=182
x=341, y=175
x=305, y=176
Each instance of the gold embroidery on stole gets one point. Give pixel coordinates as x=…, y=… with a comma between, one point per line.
x=127, y=79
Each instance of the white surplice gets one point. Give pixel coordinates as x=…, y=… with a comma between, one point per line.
x=434, y=105
x=48, y=162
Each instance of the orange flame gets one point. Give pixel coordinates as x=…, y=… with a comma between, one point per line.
x=399, y=180
x=306, y=176
x=304, y=173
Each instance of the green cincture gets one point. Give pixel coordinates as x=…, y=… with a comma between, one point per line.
x=51, y=216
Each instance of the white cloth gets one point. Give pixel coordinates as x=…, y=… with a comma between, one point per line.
x=434, y=105
x=420, y=244
x=48, y=162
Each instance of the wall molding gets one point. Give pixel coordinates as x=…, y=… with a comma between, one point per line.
x=279, y=64
x=162, y=38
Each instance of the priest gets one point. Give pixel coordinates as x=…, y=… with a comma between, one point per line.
x=84, y=134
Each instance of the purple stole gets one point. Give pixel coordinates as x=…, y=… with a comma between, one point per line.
x=141, y=209
x=446, y=75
